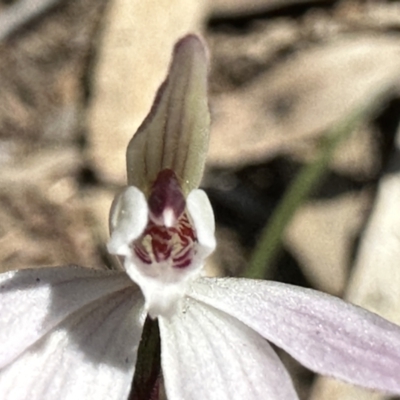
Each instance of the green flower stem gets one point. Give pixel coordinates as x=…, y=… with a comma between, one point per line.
x=269, y=243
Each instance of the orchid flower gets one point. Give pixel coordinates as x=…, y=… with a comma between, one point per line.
x=73, y=333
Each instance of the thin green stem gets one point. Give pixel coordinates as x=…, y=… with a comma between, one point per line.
x=269, y=243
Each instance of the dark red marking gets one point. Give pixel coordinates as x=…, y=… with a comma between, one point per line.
x=160, y=243
x=166, y=193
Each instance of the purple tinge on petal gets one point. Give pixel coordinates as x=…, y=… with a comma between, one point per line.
x=324, y=333
x=175, y=133
x=207, y=354
x=34, y=301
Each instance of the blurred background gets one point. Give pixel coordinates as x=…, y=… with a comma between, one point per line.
x=78, y=76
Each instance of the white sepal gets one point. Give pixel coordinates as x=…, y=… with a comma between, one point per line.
x=91, y=355
x=34, y=301
x=324, y=333
x=207, y=354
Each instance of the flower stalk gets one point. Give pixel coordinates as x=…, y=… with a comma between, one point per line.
x=148, y=367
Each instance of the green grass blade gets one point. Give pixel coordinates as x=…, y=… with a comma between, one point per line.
x=269, y=243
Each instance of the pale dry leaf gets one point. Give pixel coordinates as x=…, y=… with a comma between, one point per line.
x=43, y=221
x=299, y=98
x=41, y=72
x=332, y=389
x=321, y=236
x=369, y=15
x=20, y=13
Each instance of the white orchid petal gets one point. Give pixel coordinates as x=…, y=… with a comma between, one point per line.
x=175, y=133
x=207, y=354
x=202, y=214
x=91, y=355
x=323, y=332
x=34, y=301
x=128, y=219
